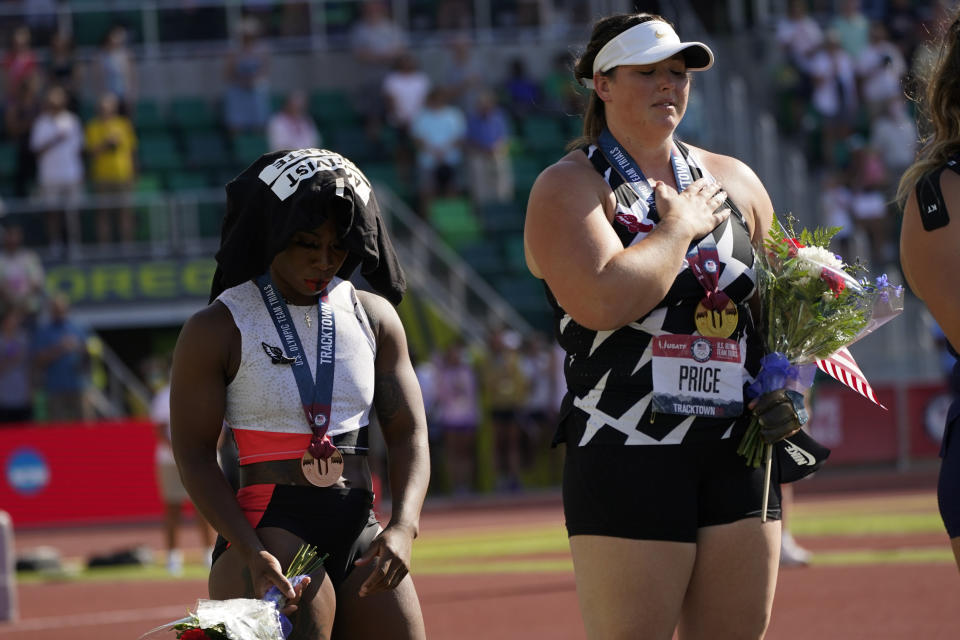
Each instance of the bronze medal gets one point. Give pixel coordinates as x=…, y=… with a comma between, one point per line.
x=717, y=323
x=320, y=472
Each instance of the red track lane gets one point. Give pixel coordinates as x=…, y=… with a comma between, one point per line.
x=895, y=601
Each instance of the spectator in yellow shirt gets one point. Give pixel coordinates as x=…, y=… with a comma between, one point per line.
x=505, y=387
x=111, y=143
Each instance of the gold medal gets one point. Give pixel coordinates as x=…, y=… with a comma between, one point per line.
x=716, y=324
x=320, y=472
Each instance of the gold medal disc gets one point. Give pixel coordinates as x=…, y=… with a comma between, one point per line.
x=322, y=473
x=717, y=324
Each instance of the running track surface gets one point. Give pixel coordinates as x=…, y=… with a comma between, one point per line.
x=898, y=601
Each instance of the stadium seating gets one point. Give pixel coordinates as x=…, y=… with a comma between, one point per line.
x=207, y=149
x=192, y=112
x=454, y=220
x=8, y=159
x=159, y=152
x=149, y=117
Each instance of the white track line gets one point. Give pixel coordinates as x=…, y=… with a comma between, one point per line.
x=94, y=619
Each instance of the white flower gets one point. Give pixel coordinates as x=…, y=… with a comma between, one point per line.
x=244, y=618
x=815, y=258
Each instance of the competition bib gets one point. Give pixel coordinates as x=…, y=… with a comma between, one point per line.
x=697, y=375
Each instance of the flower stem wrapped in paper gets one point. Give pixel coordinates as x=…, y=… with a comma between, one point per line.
x=813, y=308
x=244, y=618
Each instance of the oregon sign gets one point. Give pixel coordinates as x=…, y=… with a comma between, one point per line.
x=149, y=280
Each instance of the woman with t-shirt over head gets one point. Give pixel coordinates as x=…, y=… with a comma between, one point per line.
x=293, y=358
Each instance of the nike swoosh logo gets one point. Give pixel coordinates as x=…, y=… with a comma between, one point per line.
x=799, y=454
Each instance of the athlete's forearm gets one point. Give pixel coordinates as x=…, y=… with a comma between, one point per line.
x=409, y=471
x=214, y=498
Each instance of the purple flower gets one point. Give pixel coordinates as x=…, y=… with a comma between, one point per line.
x=883, y=284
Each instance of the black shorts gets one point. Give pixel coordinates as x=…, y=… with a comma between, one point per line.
x=340, y=522
x=948, y=484
x=660, y=492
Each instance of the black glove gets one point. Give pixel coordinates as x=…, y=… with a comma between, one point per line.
x=781, y=413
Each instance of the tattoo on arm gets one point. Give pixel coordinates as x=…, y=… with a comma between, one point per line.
x=388, y=398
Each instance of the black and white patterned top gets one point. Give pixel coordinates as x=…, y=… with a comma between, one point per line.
x=609, y=373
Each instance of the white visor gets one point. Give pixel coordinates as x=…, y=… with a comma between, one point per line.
x=647, y=43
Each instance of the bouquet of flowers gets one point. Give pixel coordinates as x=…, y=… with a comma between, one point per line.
x=245, y=618
x=813, y=306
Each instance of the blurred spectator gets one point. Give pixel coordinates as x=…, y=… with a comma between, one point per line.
x=111, y=144
x=505, y=388
x=560, y=92
x=62, y=68
x=893, y=135
x=834, y=96
x=60, y=353
x=16, y=399
x=295, y=19
x=869, y=203
x=57, y=141
x=172, y=492
x=836, y=200
x=454, y=15
x=851, y=28
x=116, y=68
x=19, y=61
x=292, y=127
x=376, y=43
x=458, y=415
x=521, y=90
x=262, y=11
x=488, y=152
x=21, y=276
x=24, y=104
x=880, y=69
x=438, y=131
x=798, y=34
x=693, y=126
x=404, y=90
x=41, y=17
x=426, y=370
x=539, y=410
x=376, y=39
x=465, y=76
x=902, y=21
x=247, y=99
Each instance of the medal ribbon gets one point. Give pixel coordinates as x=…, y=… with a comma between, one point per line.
x=316, y=394
x=704, y=261
x=628, y=169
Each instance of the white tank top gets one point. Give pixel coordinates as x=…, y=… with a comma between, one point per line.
x=263, y=397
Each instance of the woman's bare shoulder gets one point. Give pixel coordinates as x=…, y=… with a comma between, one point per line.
x=572, y=181
x=573, y=164
x=210, y=330
x=726, y=168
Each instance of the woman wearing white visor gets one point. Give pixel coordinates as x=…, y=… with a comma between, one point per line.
x=646, y=247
